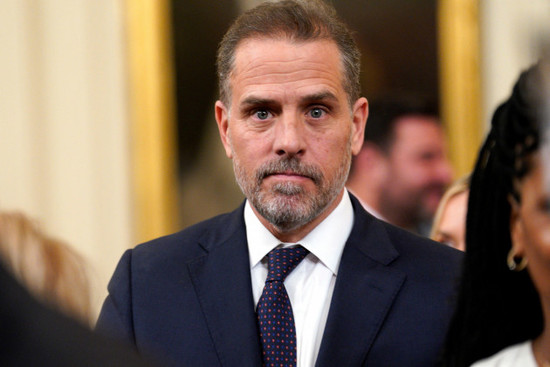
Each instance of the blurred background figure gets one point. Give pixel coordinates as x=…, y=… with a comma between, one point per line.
x=53, y=271
x=449, y=224
x=55, y=331
x=402, y=170
x=504, y=299
x=35, y=335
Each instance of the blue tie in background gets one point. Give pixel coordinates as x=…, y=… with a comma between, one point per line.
x=275, y=318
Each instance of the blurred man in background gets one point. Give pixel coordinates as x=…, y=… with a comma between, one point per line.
x=402, y=170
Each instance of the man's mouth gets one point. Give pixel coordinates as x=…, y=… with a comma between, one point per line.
x=289, y=170
x=288, y=175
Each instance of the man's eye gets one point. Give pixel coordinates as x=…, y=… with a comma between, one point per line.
x=316, y=113
x=262, y=114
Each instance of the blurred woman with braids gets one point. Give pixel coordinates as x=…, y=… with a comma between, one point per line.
x=503, y=310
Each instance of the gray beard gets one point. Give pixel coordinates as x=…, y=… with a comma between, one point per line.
x=288, y=205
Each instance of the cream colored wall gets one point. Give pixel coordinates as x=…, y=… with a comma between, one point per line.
x=64, y=151
x=510, y=32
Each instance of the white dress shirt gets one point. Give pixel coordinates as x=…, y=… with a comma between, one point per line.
x=311, y=283
x=513, y=356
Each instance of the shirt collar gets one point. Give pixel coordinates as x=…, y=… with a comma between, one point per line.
x=326, y=241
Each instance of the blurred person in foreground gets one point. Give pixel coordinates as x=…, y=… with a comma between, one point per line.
x=299, y=274
x=402, y=170
x=449, y=224
x=504, y=300
x=34, y=333
x=52, y=270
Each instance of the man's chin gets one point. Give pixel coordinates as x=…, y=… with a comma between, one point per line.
x=428, y=211
x=284, y=216
x=430, y=203
x=286, y=189
x=290, y=202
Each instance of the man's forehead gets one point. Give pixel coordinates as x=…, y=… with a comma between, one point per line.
x=418, y=132
x=419, y=119
x=264, y=51
x=409, y=126
x=266, y=64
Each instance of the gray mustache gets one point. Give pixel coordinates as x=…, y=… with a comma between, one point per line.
x=289, y=164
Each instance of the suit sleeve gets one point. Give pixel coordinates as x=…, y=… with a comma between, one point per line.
x=116, y=318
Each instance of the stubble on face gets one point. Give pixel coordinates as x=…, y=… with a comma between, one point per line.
x=289, y=205
x=406, y=207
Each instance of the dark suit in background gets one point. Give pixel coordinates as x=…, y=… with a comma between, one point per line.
x=34, y=335
x=188, y=297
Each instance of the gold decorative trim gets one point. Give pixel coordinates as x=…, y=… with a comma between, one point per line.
x=460, y=80
x=153, y=134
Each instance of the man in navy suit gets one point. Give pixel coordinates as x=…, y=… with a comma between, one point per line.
x=290, y=117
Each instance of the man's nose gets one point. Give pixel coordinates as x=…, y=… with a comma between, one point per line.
x=289, y=135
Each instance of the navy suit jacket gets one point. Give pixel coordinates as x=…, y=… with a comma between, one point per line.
x=187, y=298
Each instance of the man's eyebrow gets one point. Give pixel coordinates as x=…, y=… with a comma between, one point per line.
x=256, y=101
x=322, y=96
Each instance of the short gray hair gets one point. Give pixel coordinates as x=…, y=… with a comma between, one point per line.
x=295, y=20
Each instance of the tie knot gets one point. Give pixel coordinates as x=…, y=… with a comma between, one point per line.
x=281, y=261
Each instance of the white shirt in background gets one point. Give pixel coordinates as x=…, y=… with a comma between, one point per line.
x=519, y=355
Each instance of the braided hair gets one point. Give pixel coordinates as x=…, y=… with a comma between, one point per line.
x=497, y=307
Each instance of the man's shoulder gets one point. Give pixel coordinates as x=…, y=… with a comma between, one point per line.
x=404, y=242
x=423, y=255
x=407, y=251
x=407, y=240
x=195, y=238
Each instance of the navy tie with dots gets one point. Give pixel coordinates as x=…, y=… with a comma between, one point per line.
x=275, y=318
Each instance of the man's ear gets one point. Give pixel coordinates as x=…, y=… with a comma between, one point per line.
x=222, y=118
x=360, y=114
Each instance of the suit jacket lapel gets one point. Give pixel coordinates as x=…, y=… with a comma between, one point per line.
x=222, y=282
x=364, y=292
